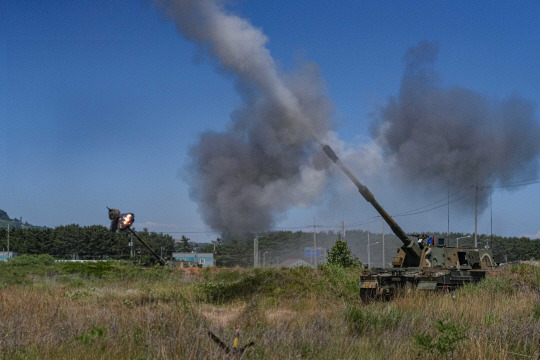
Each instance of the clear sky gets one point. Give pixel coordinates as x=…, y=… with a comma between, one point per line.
x=101, y=101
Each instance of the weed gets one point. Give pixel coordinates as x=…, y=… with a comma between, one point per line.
x=289, y=313
x=261, y=281
x=92, y=335
x=31, y=260
x=536, y=311
x=76, y=294
x=489, y=285
x=491, y=318
x=362, y=318
x=449, y=335
x=96, y=269
x=344, y=281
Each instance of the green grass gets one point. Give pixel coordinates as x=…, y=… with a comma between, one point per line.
x=115, y=310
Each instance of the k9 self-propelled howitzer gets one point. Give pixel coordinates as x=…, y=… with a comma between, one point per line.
x=419, y=262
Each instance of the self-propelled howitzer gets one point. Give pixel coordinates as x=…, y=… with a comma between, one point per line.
x=421, y=261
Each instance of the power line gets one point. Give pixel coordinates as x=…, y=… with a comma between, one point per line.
x=523, y=183
x=444, y=201
x=413, y=212
x=434, y=205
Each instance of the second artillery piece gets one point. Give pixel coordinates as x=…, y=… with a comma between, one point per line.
x=418, y=264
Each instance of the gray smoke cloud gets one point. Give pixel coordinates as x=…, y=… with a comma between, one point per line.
x=245, y=177
x=437, y=136
x=269, y=159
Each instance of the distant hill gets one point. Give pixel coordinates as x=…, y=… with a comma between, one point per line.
x=4, y=215
x=5, y=220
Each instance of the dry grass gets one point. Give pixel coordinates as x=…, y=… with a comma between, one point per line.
x=166, y=318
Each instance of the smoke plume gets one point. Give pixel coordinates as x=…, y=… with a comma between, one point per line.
x=438, y=137
x=243, y=178
x=269, y=159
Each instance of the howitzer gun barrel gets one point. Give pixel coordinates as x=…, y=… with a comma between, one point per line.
x=366, y=193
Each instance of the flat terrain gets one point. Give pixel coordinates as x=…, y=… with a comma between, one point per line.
x=119, y=311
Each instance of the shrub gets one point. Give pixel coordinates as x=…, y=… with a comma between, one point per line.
x=445, y=341
x=362, y=318
x=31, y=260
x=92, y=335
x=278, y=282
x=97, y=269
x=224, y=291
x=340, y=255
x=344, y=281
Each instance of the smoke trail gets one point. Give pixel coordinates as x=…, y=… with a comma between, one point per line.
x=242, y=179
x=441, y=137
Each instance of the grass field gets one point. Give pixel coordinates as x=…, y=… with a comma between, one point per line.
x=118, y=311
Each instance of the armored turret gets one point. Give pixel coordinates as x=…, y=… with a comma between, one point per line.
x=418, y=262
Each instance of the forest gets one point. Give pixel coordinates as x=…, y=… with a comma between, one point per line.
x=97, y=242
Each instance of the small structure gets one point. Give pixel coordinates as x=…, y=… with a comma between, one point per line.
x=201, y=259
x=292, y=263
x=5, y=255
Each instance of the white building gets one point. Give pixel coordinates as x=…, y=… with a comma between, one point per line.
x=5, y=255
x=203, y=259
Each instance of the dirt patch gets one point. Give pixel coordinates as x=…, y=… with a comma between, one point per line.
x=280, y=316
x=223, y=316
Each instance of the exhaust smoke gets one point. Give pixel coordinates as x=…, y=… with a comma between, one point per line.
x=268, y=161
x=432, y=137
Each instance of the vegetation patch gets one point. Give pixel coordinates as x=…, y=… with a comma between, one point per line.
x=443, y=342
x=96, y=269
x=362, y=319
x=127, y=312
x=284, y=283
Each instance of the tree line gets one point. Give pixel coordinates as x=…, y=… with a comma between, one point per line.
x=82, y=242
x=97, y=242
x=277, y=246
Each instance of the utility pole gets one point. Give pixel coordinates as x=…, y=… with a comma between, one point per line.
x=131, y=253
x=491, y=218
x=256, y=251
x=314, y=243
x=383, y=260
x=448, y=212
x=476, y=218
x=8, y=241
x=368, y=254
x=343, y=231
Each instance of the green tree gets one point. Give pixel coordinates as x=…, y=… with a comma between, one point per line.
x=184, y=245
x=234, y=254
x=340, y=255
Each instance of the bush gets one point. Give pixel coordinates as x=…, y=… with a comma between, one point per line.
x=447, y=340
x=275, y=282
x=224, y=291
x=97, y=269
x=17, y=269
x=362, y=318
x=31, y=260
x=340, y=255
x=490, y=285
x=344, y=281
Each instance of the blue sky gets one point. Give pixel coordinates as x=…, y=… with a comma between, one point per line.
x=100, y=101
